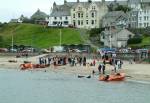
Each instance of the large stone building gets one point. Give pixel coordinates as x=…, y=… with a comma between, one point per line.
x=78, y=14
x=88, y=14
x=140, y=13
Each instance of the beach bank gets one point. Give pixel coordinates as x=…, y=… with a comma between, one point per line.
x=133, y=71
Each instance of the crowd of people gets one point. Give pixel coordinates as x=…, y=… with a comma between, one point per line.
x=63, y=60
x=82, y=61
x=112, y=60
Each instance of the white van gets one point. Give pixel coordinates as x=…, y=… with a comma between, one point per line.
x=58, y=49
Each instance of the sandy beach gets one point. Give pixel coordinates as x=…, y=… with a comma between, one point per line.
x=139, y=72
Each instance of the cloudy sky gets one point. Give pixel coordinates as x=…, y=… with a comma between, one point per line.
x=14, y=8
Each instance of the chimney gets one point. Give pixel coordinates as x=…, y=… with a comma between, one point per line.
x=78, y=1
x=65, y=1
x=103, y=1
x=54, y=4
x=89, y=1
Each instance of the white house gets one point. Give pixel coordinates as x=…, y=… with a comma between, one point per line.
x=140, y=13
x=78, y=14
x=60, y=15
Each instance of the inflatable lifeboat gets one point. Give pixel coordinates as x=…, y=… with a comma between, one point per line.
x=116, y=77
x=26, y=66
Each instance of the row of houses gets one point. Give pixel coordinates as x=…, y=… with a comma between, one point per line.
x=96, y=14
x=91, y=14
x=78, y=14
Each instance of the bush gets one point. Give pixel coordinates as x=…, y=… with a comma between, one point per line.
x=95, y=32
x=135, y=40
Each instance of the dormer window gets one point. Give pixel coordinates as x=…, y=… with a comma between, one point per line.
x=79, y=8
x=74, y=15
x=93, y=7
x=92, y=15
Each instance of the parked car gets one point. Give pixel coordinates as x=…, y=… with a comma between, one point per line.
x=142, y=51
x=45, y=51
x=13, y=50
x=3, y=50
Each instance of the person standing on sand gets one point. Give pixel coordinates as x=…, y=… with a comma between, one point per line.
x=103, y=68
x=94, y=62
x=84, y=61
x=100, y=68
x=49, y=60
x=104, y=62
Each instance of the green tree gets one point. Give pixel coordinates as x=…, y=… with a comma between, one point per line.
x=135, y=40
x=1, y=41
x=95, y=32
x=122, y=8
x=1, y=24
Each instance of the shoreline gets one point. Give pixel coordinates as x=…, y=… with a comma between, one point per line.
x=134, y=72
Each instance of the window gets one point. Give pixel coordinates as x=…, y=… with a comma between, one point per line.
x=54, y=23
x=92, y=22
x=92, y=15
x=82, y=15
x=81, y=22
x=144, y=17
x=140, y=18
x=74, y=9
x=66, y=18
x=103, y=36
x=93, y=7
x=78, y=15
x=87, y=22
x=79, y=8
x=74, y=16
x=145, y=24
x=74, y=23
x=66, y=22
x=55, y=18
x=87, y=15
x=78, y=22
x=60, y=18
x=140, y=24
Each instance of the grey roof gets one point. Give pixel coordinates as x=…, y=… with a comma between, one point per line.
x=114, y=14
x=120, y=2
x=134, y=1
x=112, y=17
x=61, y=10
x=115, y=31
x=146, y=1
x=64, y=10
x=39, y=15
x=14, y=20
x=87, y=4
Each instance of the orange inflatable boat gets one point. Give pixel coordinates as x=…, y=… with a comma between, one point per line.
x=26, y=66
x=116, y=77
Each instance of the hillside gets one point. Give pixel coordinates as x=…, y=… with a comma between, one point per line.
x=37, y=35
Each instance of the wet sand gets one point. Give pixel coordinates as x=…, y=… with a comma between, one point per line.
x=139, y=72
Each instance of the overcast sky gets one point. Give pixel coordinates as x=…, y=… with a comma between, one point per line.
x=14, y=8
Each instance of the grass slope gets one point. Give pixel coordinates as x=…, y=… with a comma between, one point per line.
x=145, y=41
x=38, y=36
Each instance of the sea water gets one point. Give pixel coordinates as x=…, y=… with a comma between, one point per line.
x=51, y=87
